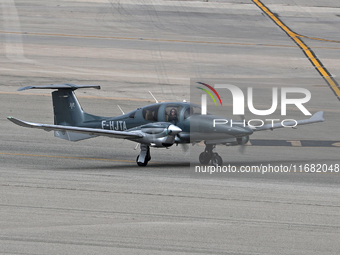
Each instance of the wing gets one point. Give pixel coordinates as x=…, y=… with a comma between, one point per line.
x=317, y=117
x=131, y=135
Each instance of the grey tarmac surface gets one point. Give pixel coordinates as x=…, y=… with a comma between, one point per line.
x=89, y=197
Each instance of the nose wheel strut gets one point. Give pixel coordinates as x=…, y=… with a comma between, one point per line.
x=209, y=155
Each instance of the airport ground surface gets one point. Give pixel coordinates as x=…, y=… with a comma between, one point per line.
x=89, y=197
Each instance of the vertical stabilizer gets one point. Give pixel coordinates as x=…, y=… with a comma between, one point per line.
x=67, y=110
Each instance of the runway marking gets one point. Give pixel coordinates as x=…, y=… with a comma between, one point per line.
x=81, y=158
x=139, y=100
x=158, y=40
x=289, y=143
x=64, y=157
x=13, y=41
x=79, y=96
x=332, y=83
x=294, y=143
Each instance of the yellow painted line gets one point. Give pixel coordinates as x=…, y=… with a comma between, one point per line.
x=64, y=157
x=68, y=157
x=117, y=98
x=144, y=39
x=78, y=96
x=332, y=48
x=172, y=40
x=333, y=85
x=295, y=37
x=81, y=158
x=319, y=39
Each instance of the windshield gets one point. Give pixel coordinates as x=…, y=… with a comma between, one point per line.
x=192, y=110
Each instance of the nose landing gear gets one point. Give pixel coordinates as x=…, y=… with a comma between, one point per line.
x=144, y=156
x=209, y=155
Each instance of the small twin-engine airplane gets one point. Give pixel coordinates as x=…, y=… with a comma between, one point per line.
x=156, y=125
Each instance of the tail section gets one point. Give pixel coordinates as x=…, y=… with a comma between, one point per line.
x=67, y=110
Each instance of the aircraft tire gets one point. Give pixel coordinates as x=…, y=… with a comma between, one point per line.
x=204, y=158
x=216, y=160
x=140, y=163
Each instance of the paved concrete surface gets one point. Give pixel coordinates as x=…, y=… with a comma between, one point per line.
x=89, y=197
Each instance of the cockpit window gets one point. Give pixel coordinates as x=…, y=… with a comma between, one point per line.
x=192, y=110
x=151, y=113
x=172, y=113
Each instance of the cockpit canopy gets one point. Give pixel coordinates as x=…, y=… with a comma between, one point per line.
x=151, y=113
x=170, y=112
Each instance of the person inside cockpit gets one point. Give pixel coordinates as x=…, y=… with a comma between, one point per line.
x=173, y=116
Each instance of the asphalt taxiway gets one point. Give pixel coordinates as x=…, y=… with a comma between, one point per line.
x=89, y=197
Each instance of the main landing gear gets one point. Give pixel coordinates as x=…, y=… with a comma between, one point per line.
x=209, y=155
x=144, y=156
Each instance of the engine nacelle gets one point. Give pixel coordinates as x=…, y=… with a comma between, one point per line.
x=161, y=134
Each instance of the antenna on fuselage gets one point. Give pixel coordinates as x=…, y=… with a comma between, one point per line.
x=120, y=109
x=153, y=97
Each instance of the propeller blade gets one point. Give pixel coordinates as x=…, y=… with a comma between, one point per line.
x=242, y=142
x=242, y=148
x=185, y=148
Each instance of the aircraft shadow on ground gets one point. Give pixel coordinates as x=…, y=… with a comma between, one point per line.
x=126, y=166
x=171, y=165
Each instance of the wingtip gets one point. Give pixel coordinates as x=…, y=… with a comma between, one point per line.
x=24, y=88
x=318, y=116
x=12, y=119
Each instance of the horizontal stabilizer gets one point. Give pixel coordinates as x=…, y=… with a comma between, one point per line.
x=60, y=86
x=80, y=130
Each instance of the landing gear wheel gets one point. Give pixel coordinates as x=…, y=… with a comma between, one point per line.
x=147, y=156
x=204, y=158
x=140, y=163
x=216, y=160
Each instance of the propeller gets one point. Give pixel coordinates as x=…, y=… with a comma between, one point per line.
x=242, y=141
x=185, y=148
x=242, y=148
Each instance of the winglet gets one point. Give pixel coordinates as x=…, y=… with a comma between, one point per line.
x=20, y=122
x=317, y=117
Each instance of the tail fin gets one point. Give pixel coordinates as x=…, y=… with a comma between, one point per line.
x=67, y=110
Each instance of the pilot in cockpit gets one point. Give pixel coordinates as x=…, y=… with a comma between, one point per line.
x=173, y=116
